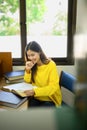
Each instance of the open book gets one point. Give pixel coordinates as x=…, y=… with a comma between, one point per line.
x=18, y=88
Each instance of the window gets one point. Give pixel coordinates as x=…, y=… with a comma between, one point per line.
x=10, y=28
x=50, y=24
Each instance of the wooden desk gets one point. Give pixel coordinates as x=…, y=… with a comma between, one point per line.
x=2, y=108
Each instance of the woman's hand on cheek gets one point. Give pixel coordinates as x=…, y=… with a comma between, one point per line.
x=29, y=65
x=29, y=92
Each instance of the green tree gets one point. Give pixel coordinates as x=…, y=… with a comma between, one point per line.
x=35, y=10
x=8, y=24
x=60, y=25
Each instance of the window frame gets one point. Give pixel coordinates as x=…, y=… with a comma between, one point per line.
x=72, y=4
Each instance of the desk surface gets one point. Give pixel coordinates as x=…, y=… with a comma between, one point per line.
x=2, y=108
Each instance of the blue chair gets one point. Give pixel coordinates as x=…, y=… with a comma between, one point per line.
x=67, y=82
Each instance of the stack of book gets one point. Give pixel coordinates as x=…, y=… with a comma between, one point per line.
x=13, y=95
x=10, y=99
x=14, y=76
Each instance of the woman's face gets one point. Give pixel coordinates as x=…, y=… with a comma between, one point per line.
x=33, y=56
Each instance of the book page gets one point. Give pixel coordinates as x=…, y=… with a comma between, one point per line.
x=19, y=92
x=19, y=86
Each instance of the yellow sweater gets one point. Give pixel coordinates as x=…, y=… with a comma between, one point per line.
x=47, y=82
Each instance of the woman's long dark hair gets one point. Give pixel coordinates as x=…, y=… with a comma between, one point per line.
x=34, y=46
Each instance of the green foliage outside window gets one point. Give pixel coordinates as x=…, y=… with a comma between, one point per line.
x=36, y=9
x=8, y=24
x=60, y=26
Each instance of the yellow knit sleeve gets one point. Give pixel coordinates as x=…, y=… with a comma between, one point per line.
x=27, y=77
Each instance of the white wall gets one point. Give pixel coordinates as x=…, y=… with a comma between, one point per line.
x=67, y=68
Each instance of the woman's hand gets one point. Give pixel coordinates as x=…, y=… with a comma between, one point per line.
x=29, y=92
x=29, y=65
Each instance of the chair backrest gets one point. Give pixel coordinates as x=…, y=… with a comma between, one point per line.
x=67, y=82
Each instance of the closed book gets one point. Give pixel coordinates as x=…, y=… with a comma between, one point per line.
x=14, y=75
x=18, y=88
x=13, y=81
x=11, y=100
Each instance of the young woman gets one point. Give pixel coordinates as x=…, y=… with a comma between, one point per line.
x=41, y=72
